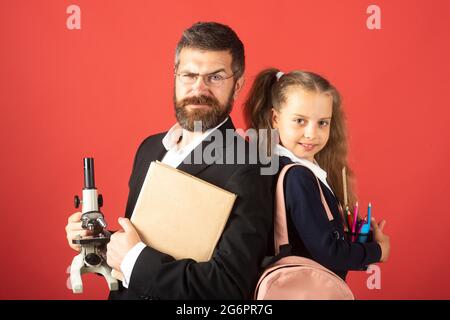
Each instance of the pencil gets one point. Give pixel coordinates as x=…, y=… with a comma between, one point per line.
x=355, y=217
x=344, y=184
x=349, y=219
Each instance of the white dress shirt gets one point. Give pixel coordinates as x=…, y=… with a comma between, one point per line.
x=174, y=157
x=313, y=166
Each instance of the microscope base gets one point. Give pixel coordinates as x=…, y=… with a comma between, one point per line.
x=79, y=267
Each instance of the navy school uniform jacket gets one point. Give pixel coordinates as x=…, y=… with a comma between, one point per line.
x=311, y=234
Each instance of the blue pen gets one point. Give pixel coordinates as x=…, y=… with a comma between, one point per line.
x=366, y=226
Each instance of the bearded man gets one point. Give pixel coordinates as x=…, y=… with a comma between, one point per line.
x=209, y=74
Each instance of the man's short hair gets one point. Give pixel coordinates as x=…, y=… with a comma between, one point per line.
x=214, y=36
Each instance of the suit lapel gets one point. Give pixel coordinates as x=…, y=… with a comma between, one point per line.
x=156, y=152
x=160, y=152
x=189, y=166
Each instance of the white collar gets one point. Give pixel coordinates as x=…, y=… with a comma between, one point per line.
x=313, y=166
x=174, y=134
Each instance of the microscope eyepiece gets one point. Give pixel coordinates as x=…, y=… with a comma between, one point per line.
x=89, y=182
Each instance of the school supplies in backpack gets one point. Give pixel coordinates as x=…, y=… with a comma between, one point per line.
x=294, y=277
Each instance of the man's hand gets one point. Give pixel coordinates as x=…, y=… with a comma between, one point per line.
x=74, y=229
x=121, y=242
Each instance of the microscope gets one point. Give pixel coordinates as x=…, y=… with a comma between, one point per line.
x=92, y=257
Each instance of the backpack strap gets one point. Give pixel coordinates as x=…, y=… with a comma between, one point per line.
x=280, y=224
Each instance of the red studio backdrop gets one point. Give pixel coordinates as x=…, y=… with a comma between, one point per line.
x=98, y=88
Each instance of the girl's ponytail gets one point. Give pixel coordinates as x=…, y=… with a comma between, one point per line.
x=258, y=106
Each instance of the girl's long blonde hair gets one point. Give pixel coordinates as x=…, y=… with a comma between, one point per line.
x=270, y=91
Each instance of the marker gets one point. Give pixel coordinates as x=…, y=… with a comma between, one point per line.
x=366, y=226
x=361, y=223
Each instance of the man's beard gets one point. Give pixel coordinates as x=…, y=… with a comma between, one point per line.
x=209, y=116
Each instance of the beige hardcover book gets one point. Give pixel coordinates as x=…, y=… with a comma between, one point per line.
x=179, y=214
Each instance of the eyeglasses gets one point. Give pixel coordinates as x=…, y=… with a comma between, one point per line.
x=210, y=79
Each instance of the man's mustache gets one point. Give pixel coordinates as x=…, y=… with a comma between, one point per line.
x=199, y=100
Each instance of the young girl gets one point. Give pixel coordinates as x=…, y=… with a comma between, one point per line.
x=306, y=110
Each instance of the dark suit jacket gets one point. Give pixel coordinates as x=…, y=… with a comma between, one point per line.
x=234, y=268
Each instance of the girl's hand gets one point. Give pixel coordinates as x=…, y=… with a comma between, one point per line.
x=381, y=238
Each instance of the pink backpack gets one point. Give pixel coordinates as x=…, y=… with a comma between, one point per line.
x=294, y=277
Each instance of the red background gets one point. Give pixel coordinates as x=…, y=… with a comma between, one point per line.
x=66, y=94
